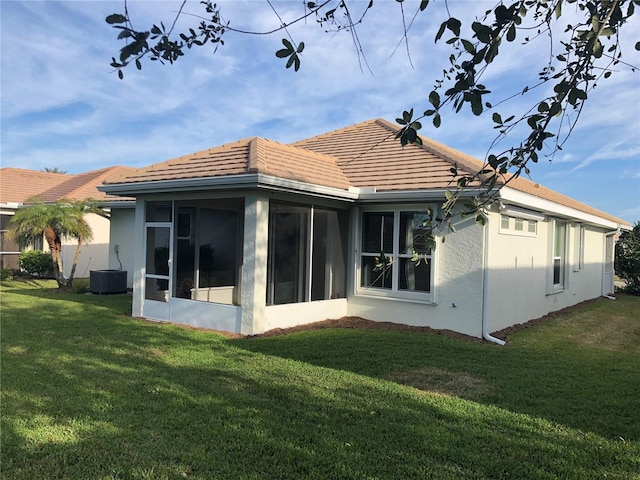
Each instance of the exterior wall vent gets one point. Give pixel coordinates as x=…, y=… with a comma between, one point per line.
x=104, y=282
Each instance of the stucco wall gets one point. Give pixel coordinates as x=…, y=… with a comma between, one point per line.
x=122, y=235
x=93, y=256
x=519, y=269
x=458, y=282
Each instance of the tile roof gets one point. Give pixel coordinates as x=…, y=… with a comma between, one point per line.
x=18, y=185
x=251, y=155
x=370, y=156
x=363, y=155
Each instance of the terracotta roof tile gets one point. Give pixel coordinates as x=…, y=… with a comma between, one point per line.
x=19, y=185
x=363, y=155
x=371, y=156
x=252, y=155
x=367, y=150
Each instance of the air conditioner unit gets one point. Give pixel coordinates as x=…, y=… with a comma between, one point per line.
x=104, y=282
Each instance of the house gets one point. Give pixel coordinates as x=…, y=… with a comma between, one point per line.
x=256, y=235
x=19, y=186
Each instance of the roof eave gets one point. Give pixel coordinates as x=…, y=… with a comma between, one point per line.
x=551, y=208
x=412, y=195
x=230, y=182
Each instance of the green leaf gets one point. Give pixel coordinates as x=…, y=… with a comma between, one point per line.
x=115, y=18
x=287, y=44
x=437, y=120
x=511, y=33
x=434, y=98
x=476, y=104
x=443, y=25
x=454, y=25
x=300, y=47
x=283, y=53
x=423, y=5
x=124, y=34
x=468, y=46
x=497, y=118
x=597, y=49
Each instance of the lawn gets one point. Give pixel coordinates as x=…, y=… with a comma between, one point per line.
x=90, y=393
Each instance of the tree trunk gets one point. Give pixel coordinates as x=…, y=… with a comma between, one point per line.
x=55, y=246
x=75, y=263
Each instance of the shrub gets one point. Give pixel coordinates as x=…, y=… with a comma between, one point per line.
x=34, y=262
x=8, y=273
x=627, y=261
x=80, y=285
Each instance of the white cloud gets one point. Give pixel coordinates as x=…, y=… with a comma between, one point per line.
x=206, y=99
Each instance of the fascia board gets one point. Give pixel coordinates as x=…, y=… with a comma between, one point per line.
x=412, y=195
x=180, y=185
x=232, y=182
x=117, y=204
x=551, y=208
x=280, y=184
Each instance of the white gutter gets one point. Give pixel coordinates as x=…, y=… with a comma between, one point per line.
x=485, y=289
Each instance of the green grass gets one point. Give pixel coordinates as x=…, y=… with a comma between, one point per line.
x=90, y=393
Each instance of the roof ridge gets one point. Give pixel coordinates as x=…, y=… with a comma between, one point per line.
x=337, y=130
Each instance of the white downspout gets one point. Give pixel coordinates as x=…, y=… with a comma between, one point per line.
x=485, y=289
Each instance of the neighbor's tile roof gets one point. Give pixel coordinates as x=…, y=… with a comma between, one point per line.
x=18, y=185
x=251, y=155
x=363, y=155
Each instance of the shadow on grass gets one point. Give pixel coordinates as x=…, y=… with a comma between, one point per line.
x=88, y=393
x=119, y=408
x=590, y=389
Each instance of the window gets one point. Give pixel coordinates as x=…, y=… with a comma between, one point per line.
x=578, y=250
x=559, y=255
x=401, y=236
x=307, y=253
x=512, y=225
x=519, y=225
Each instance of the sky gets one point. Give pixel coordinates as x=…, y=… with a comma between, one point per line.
x=63, y=105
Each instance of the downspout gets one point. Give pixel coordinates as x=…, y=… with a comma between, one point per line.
x=485, y=289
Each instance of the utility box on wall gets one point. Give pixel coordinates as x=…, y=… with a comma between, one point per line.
x=104, y=282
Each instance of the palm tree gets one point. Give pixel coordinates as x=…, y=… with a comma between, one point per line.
x=57, y=220
x=53, y=170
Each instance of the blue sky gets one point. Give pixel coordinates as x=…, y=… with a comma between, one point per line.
x=63, y=106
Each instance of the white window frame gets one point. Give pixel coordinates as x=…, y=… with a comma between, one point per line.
x=578, y=248
x=562, y=284
x=394, y=293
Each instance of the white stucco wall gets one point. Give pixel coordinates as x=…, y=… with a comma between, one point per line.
x=94, y=255
x=122, y=234
x=519, y=269
x=458, y=280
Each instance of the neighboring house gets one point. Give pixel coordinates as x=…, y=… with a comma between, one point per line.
x=18, y=186
x=255, y=235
